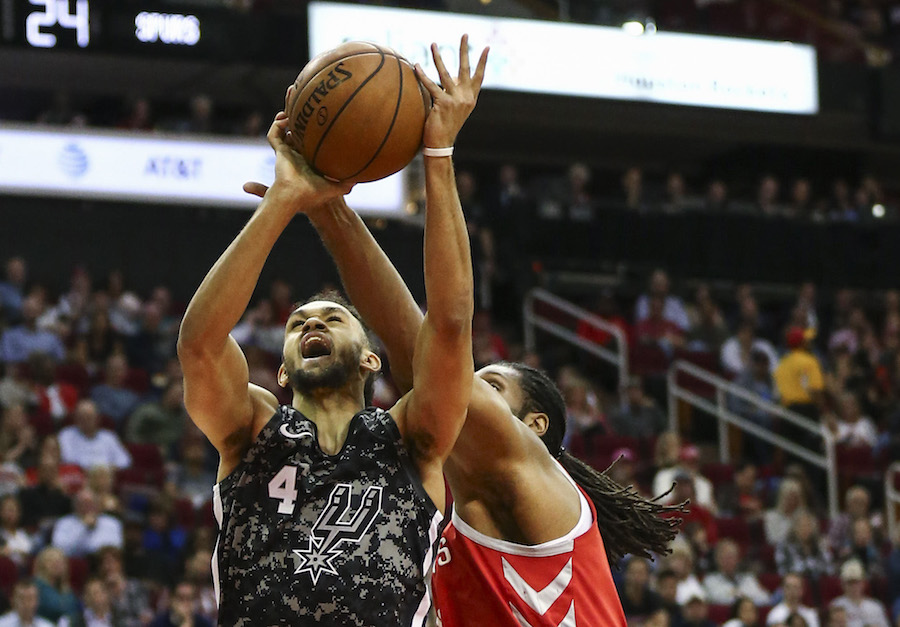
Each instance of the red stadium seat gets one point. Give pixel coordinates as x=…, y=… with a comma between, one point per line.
x=185, y=515
x=648, y=360
x=145, y=456
x=719, y=614
x=137, y=380
x=718, y=473
x=79, y=569
x=9, y=575
x=830, y=588
x=735, y=528
x=856, y=461
x=770, y=581
x=76, y=375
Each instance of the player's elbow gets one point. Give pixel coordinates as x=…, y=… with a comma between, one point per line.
x=454, y=317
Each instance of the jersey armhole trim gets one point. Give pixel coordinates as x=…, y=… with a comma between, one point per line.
x=563, y=544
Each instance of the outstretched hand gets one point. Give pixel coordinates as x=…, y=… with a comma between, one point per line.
x=452, y=103
x=293, y=176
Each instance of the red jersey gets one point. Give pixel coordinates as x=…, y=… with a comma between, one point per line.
x=480, y=581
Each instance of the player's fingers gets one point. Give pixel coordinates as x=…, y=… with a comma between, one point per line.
x=433, y=88
x=446, y=80
x=480, y=68
x=288, y=94
x=256, y=189
x=464, y=58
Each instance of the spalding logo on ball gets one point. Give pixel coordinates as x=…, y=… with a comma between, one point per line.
x=358, y=112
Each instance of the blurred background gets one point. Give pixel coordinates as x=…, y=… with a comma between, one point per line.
x=693, y=225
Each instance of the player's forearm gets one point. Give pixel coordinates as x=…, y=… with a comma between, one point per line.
x=225, y=292
x=373, y=285
x=448, y=260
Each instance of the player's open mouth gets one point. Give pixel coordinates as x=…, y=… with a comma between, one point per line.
x=315, y=345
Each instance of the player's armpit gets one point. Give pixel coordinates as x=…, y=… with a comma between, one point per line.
x=219, y=397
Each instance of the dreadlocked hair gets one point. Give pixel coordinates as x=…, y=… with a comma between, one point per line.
x=629, y=522
x=334, y=296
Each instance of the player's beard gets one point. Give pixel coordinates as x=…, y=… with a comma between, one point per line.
x=332, y=377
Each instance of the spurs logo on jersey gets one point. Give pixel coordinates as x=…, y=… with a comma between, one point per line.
x=332, y=529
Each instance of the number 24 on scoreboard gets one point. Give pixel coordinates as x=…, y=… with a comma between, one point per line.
x=56, y=12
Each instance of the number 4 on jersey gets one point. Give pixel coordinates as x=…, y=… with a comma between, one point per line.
x=283, y=487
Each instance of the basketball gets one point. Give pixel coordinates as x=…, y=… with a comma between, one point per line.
x=357, y=112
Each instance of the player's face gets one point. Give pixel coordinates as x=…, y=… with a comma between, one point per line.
x=505, y=381
x=323, y=345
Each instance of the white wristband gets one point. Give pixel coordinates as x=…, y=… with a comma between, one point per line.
x=437, y=152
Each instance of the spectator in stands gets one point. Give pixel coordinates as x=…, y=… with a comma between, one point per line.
x=757, y=378
x=101, y=341
x=87, y=530
x=182, y=609
x=667, y=589
x=70, y=313
x=851, y=333
x=857, y=506
x=863, y=548
x=260, y=328
x=696, y=612
x=583, y=413
x=622, y=471
x=18, y=443
x=488, y=346
x=112, y=397
x=150, y=347
x=861, y=610
x=666, y=451
x=677, y=198
x=15, y=542
x=798, y=377
x=12, y=289
x=792, y=587
x=743, y=496
x=15, y=388
x=892, y=564
x=197, y=571
x=778, y=521
x=86, y=444
x=836, y=616
x=743, y=614
x=139, y=116
x=681, y=562
x=656, y=330
x=102, y=481
x=124, y=311
x=160, y=422
x=638, y=600
x=708, y=330
x=840, y=206
x=637, y=415
x=767, y=197
x=695, y=533
x=46, y=501
x=192, y=477
x=673, y=309
x=728, y=582
x=800, y=205
x=201, y=118
x=24, y=612
x=684, y=490
x=54, y=398
x=803, y=551
x=129, y=597
x=851, y=428
x=603, y=306
x=19, y=342
x=689, y=465
x=717, y=196
x=163, y=539
x=633, y=189
x=51, y=576
x=97, y=610
x=736, y=351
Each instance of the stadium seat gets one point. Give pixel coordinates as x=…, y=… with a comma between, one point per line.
x=770, y=581
x=735, y=528
x=185, y=515
x=9, y=575
x=718, y=473
x=856, y=461
x=145, y=456
x=76, y=375
x=719, y=614
x=137, y=380
x=830, y=588
x=79, y=569
x=648, y=360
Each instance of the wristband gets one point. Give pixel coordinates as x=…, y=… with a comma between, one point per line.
x=437, y=152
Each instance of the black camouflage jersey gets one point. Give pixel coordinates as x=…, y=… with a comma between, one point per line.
x=308, y=538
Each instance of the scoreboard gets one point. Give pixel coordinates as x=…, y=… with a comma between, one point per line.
x=152, y=28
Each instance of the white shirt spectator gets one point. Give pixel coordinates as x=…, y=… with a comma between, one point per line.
x=103, y=449
x=673, y=311
x=732, y=357
x=868, y=613
x=859, y=433
x=723, y=590
x=76, y=539
x=688, y=588
x=780, y=613
x=703, y=487
x=11, y=619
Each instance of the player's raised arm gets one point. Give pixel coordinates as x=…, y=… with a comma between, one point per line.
x=442, y=366
x=216, y=379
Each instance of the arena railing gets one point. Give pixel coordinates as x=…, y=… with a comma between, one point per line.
x=892, y=499
x=724, y=417
x=534, y=320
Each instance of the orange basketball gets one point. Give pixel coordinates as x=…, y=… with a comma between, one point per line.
x=357, y=112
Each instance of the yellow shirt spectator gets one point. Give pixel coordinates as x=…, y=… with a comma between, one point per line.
x=797, y=377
